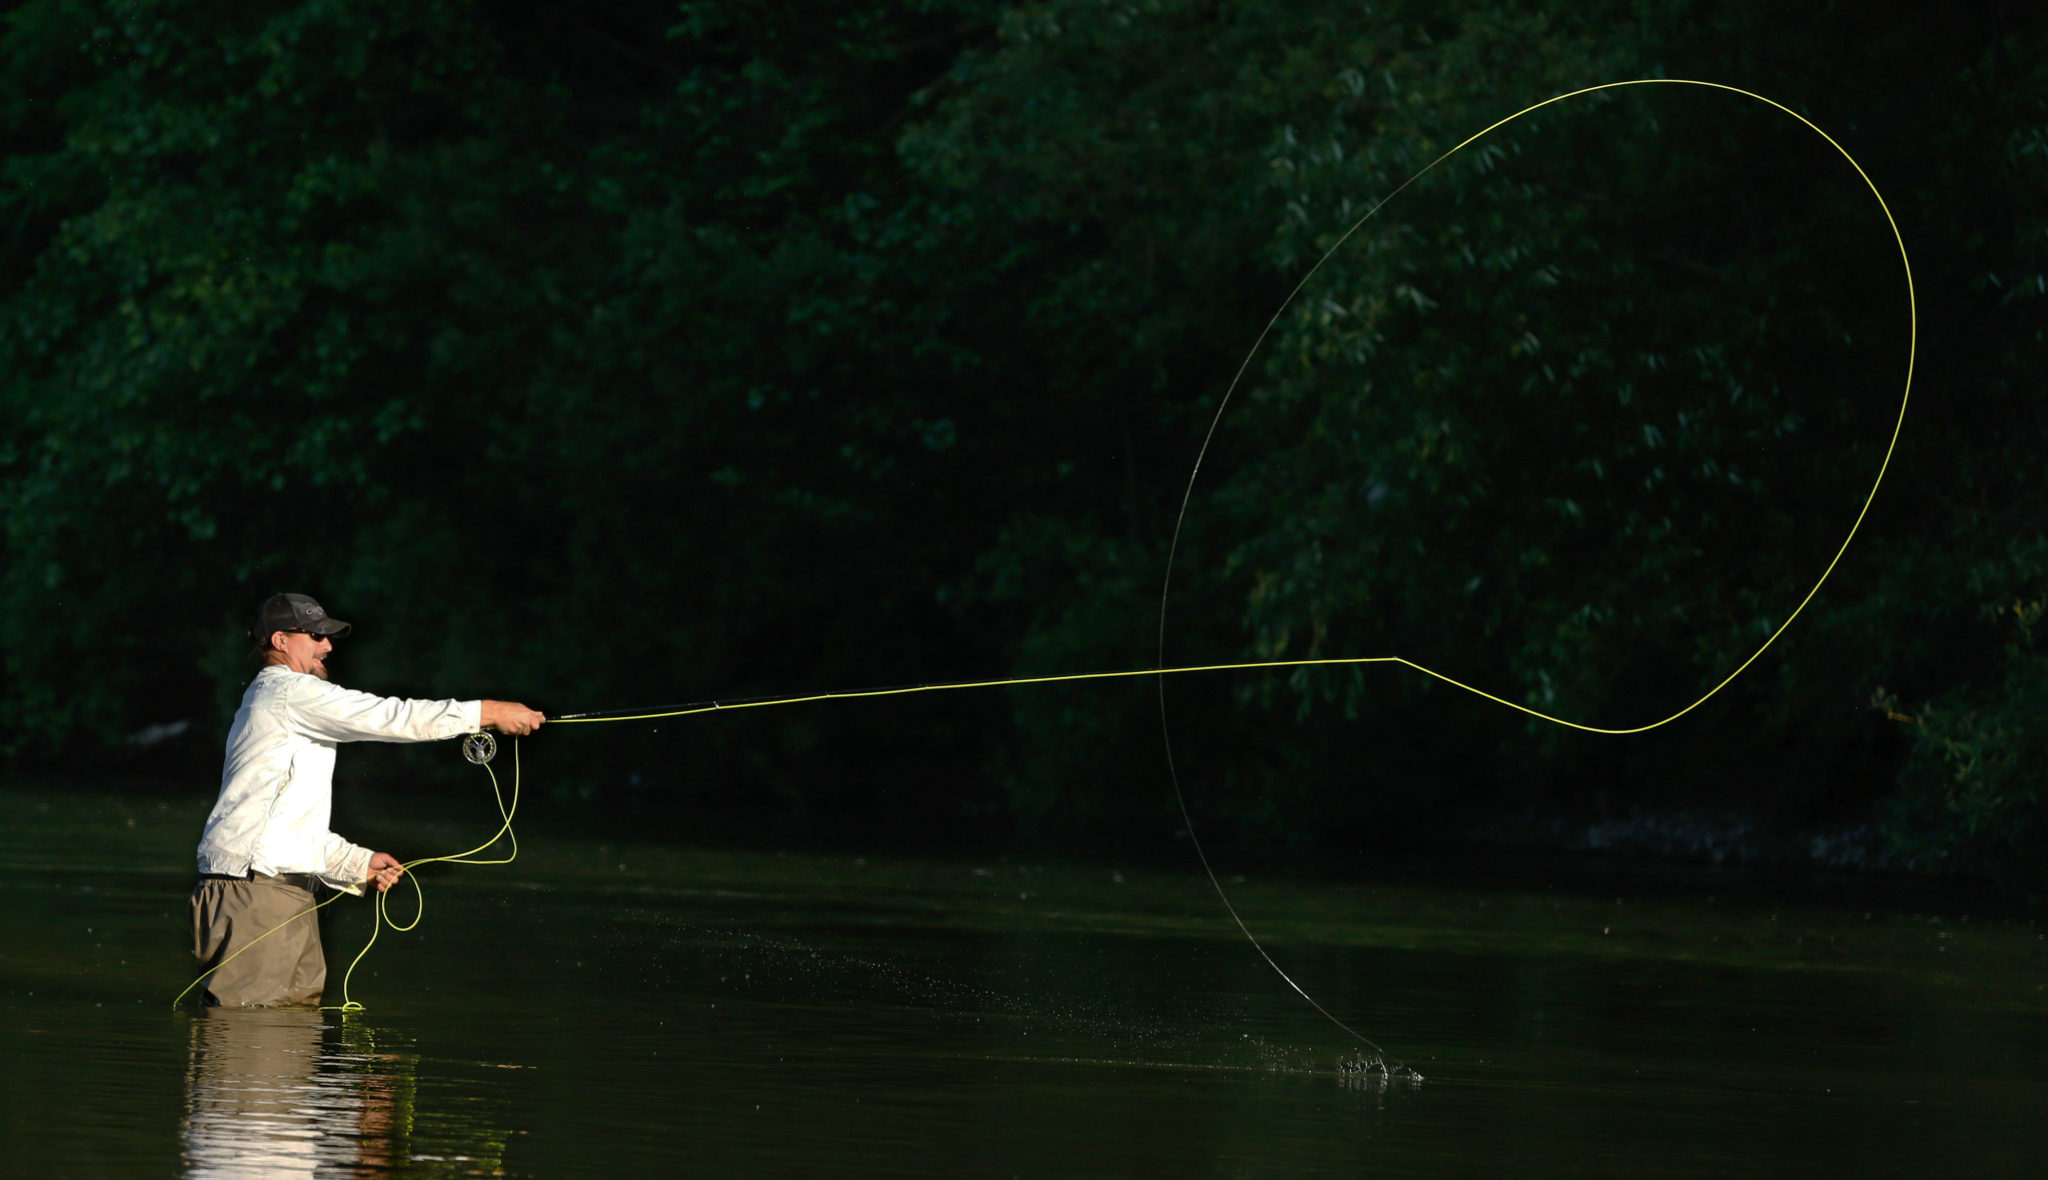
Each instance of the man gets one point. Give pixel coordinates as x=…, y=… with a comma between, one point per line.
x=266, y=846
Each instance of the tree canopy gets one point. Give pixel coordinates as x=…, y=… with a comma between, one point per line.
x=641, y=351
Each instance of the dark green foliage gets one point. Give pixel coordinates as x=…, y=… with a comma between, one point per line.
x=638, y=351
x=1975, y=791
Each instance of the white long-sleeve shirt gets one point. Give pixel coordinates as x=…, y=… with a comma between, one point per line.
x=277, y=789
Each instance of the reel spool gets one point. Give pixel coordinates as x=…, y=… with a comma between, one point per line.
x=479, y=747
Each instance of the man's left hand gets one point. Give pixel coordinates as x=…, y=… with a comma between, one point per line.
x=385, y=869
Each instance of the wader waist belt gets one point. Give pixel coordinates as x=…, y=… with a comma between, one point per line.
x=306, y=881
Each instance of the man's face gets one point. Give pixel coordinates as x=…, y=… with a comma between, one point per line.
x=302, y=652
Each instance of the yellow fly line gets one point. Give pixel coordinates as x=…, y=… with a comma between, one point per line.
x=1163, y=671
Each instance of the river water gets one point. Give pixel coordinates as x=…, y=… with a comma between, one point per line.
x=601, y=1008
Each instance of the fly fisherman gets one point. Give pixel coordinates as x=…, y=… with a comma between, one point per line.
x=266, y=846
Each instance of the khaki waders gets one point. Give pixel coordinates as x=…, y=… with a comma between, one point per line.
x=230, y=913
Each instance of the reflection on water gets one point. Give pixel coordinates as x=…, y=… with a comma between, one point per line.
x=278, y=1092
x=597, y=1011
x=281, y=1092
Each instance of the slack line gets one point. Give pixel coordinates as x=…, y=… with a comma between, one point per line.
x=479, y=748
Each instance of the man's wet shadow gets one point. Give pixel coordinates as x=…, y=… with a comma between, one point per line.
x=292, y=1091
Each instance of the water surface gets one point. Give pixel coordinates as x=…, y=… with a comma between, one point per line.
x=603, y=1007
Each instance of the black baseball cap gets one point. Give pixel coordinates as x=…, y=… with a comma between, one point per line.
x=295, y=612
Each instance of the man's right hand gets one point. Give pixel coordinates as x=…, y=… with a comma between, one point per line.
x=512, y=718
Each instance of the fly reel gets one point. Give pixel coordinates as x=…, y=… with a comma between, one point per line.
x=479, y=747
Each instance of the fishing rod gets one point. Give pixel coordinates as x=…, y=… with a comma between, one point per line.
x=723, y=704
